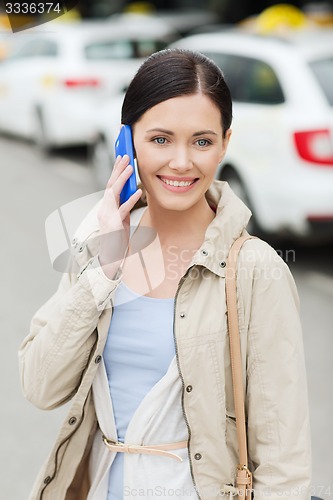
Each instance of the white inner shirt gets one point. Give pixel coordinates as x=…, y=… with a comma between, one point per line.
x=152, y=415
x=137, y=354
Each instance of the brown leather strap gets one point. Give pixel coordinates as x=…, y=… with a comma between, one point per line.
x=153, y=449
x=244, y=476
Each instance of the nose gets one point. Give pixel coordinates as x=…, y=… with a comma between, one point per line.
x=181, y=160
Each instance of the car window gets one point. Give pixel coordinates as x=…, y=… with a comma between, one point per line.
x=250, y=80
x=144, y=48
x=115, y=49
x=123, y=49
x=27, y=50
x=47, y=48
x=35, y=48
x=232, y=70
x=323, y=71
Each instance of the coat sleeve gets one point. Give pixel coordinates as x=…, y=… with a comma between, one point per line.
x=279, y=443
x=54, y=355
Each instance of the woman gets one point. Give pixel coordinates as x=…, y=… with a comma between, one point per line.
x=138, y=338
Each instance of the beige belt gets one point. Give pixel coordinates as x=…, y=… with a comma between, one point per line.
x=153, y=449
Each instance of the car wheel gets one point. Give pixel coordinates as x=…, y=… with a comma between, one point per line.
x=101, y=162
x=40, y=135
x=238, y=187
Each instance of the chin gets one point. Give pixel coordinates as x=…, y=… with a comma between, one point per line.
x=176, y=205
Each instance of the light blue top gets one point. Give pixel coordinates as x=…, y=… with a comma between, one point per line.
x=137, y=354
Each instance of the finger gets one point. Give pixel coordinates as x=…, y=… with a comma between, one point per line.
x=120, y=215
x=120, y=182
x=123, y=162
x=112, y=194
x=127, y=206
x=118, y=167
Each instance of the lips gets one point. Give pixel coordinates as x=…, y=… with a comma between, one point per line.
x=177, y=178
x=177, y=184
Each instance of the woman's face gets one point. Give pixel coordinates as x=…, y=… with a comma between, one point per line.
x=179, y=144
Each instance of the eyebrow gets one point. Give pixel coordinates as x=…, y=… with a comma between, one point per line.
x=169, y=132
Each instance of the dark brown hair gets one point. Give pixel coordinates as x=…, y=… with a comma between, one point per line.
x=173, y=73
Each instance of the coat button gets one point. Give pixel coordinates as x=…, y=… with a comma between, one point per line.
x=47, y=480
x=198, y=456
x=189, y=388
x=98, y=359
x=204, y=252
x=72, y=420
x=182, y=315
x=223, y=264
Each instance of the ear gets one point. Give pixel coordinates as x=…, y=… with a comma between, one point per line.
x=225, y=144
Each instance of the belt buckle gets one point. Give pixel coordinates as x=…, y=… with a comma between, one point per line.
x=109, y=441
x=127, y=448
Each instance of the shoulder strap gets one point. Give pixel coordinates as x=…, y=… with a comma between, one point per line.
x=244, y=476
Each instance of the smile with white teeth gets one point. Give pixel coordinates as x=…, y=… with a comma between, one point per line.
x=177, y=183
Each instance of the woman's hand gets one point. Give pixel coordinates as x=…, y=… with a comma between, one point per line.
x=114, y=220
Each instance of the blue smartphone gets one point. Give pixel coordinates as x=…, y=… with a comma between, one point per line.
x=124, y=146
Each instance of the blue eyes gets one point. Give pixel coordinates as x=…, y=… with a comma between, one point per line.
x=203, y=142
x=160, y=140
x=200, y=142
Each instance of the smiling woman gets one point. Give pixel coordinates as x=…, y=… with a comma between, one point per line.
x=138, y=339
x=178, y=157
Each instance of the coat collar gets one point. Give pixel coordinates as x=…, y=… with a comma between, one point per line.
x=232, y=217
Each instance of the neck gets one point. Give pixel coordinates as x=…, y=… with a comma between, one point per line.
x=182, y=228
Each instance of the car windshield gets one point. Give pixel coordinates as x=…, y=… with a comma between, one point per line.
x=123, y=49
x=323, y=71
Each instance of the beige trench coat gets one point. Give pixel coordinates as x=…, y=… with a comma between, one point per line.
x=60, y=356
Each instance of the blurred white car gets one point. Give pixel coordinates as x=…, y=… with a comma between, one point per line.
x=280, y=157
x=58, y=73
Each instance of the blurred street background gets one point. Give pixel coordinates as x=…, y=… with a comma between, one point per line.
x=61, y=88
